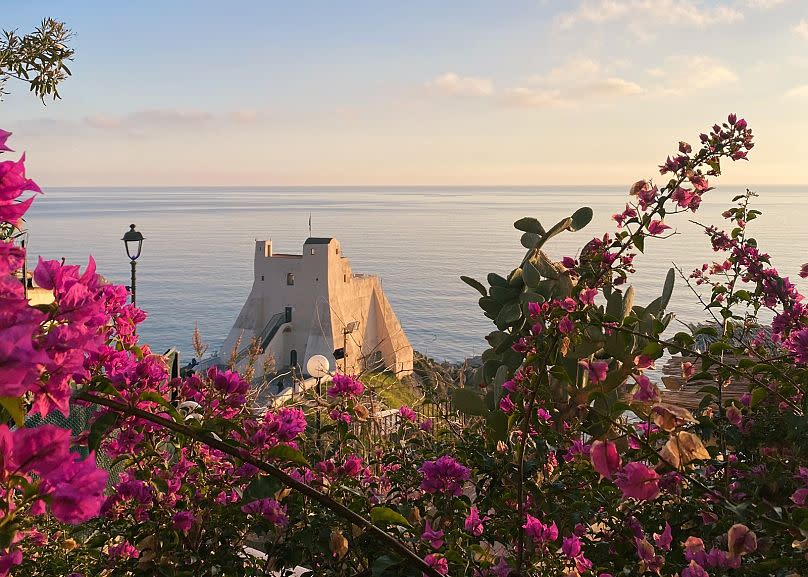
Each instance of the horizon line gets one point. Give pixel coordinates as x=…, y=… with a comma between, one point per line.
x=335, y=186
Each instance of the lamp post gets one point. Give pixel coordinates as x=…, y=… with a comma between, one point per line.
x=318, y=367
x=133, y=242
x=349, y=328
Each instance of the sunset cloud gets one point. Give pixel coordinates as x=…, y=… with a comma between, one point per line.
x=143, y=119
x=801, y=29
x=684, y=12
x=798, y=92
x=574, y=81
x=456, y=85
x=687, y=74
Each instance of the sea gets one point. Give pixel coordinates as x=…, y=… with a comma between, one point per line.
x=196, y=264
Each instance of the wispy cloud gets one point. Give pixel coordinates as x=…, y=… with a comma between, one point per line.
x=534, y=98
x=685, y=12
x=686, y=74
x=801, y=29
x=244, y=116
x=456, y=85
x=798, y=92
x=141, y=121
x=765, y=4
x=577, y=80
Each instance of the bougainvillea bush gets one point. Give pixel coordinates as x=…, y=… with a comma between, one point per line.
x=568, y=461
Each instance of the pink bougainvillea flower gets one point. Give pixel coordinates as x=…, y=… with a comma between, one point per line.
x=643, y=362
x=734, y=415
x=407, y=413
x=506, y=405
x=9, y=560
x=20, y=363
x=438, y=563
x=474, y=523
x=740, y=540
x=75, y=490
x=353, y=466
x=571, y=546
x=638, y=481
x=39, y=450
x=269, y=509
x=443, y=475
x=646, y=391
x=804, y=270
x=122, y=551
x=13, y=181
x=605, y=458
x=568, y=304
x=565, y=325
x=433, y=537
x=657, y=227
x=800, y=496
x=797, y=344
x=284, y=425
x=663, y=540
x=587, y=296
x=538, y=531
x=4, y=134
x=597, y=370
x=688, y=370
x=183, y=521
x=345, y=386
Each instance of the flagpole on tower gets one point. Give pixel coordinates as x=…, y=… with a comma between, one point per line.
x=309, y=225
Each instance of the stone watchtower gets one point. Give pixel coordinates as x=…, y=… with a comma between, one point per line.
x=303, y=305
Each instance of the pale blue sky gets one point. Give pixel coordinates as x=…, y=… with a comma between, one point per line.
x=452, y=92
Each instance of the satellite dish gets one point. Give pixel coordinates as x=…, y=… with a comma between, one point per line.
x=317, y=366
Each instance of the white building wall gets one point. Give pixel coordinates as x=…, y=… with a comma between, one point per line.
x=325, y=298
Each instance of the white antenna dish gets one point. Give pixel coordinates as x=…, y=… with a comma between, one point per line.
x=318, y=366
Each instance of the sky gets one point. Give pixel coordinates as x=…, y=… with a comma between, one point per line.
x=472, y=92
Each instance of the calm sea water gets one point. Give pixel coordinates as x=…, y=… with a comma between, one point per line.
x=197, y=258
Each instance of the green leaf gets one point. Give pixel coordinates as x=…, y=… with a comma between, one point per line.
x=288, y=454
x=614, y=305
x=14, y=407
x=667, y=290
x=581, y=217
x=381, y=565
x=531, y=275
x=468, y=402
x=497, y=425
x=509, y=314
x=160, y=400
x=386, y=516
x=639, y=242
x=529, y=224
x=99, y=428
x=504, y=294
x=530, y=240
x=719, y=346
x=261, y=487
x=495, y=280
x=758, y=394
x=475, y=285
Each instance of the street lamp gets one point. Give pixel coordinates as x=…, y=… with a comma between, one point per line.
x=318, y=367
x=133, y=242
x=349, y=328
